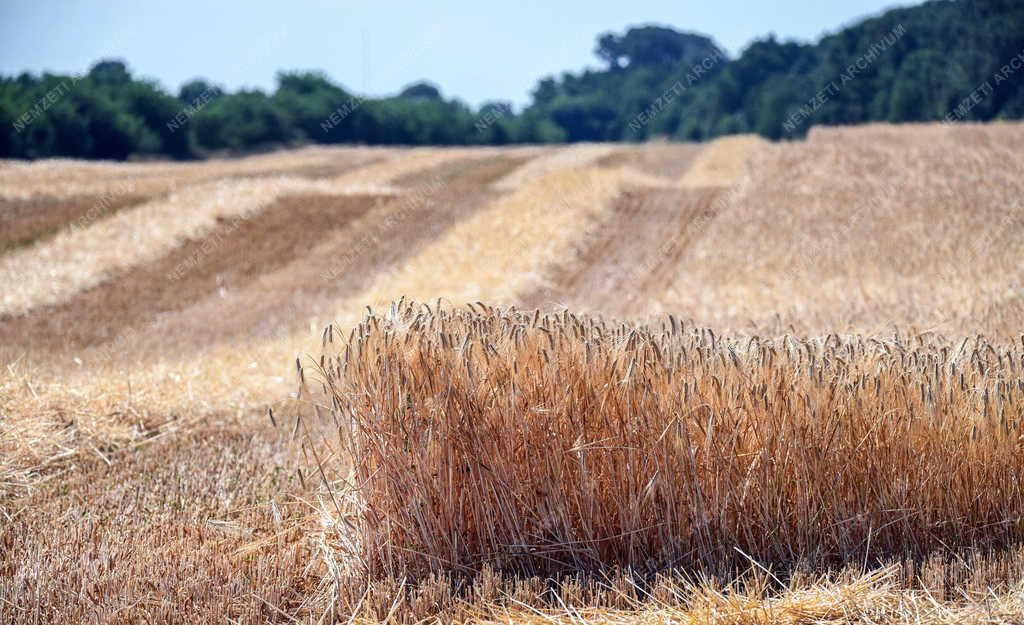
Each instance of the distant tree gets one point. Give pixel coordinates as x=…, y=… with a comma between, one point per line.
x=7, y=134
x=545, y=91
x=155, y=109
x=654, y=46
x=496, y=108
x=198, y=91
x=928, y=86
x=243, y=120
x=496, y=122
x=110, y=73
x=319, y=110
x=584, y=118
x=421, y=91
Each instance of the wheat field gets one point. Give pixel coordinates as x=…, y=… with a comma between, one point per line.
x=728, y=383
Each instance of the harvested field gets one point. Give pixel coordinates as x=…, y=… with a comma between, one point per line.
x=228, y=258
x=78, y=259
x=863, y=231
x=35, y=218
x=739, y=382
x=27, y=221
x=343, y=264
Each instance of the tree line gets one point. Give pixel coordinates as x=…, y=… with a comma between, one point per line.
x=952, y=60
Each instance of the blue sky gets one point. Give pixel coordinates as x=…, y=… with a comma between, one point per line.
x=475, y=50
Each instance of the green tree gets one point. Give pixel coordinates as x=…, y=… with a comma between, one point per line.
x=317, y=109
x=654, y=45
x=243, y=120
x=422, y=91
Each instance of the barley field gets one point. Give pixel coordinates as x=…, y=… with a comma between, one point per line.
x=737, y=383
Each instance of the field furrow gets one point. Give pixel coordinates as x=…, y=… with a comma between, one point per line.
x=342, y=264
x=27, y=221
x=233, y=254
x=633, y=255
x=504, y=250
x=80, y=259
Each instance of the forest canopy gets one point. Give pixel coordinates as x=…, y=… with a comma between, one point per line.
x=953, y=60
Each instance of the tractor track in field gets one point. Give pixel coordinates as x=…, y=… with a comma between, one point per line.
x=633, y=255
x=27, y=221
x=670, y=160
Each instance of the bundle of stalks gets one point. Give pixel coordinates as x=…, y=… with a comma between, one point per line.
x=540, y=444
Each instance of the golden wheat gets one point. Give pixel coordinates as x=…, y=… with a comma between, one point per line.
x=550, y=443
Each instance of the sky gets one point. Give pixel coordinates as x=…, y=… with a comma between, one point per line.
x=473, y=50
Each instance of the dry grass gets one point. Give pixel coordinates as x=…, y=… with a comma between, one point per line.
x=866, y=599
x=47, y=423
x=202, y=527
x=978, y=589
x=891, y=594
